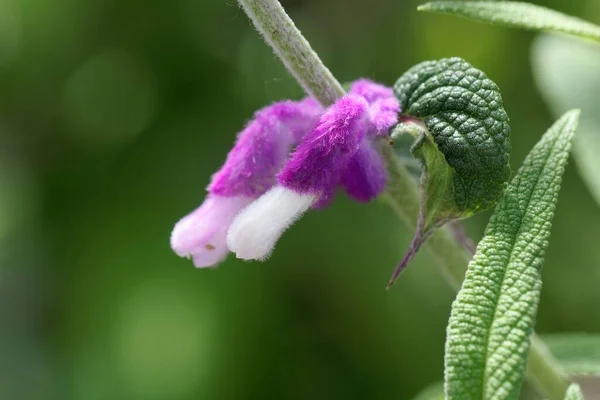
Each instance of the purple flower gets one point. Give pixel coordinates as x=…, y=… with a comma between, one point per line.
x=250, y=169
x=261, y=190
x=339, y=151
x=263, y=147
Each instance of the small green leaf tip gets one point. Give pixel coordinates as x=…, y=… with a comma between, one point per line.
x=574, y=392
x=462, y=141
x=516, y=14
x=492, y=318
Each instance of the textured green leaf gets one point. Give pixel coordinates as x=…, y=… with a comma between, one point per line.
x=574, y=392
x=516, y=14
x=462, y=111
x=567, y=72
x=578, y=353
x=462, y=141
x=493, y=315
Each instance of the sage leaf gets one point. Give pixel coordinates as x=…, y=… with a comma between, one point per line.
x=516, y=14
x=456, y=115
x=465, y=121
x=493, y=315
x=567, y=73
x=578, y=353
x=574, y=392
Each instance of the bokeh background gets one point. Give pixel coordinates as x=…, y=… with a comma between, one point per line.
x=113, y=115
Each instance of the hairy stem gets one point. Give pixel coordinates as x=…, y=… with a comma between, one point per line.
x=280, y=32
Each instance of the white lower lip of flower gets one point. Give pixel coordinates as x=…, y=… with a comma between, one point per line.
x=202, y=234
x=255, y=230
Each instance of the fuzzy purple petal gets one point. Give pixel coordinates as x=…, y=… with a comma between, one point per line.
x=384, y=107
x=263, y=147
x=366, y=174
x=321, y=158
x=370, y=90
x=383, y=114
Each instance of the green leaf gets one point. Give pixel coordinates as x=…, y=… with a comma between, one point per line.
x=493, y=315
x=437, y=182
x=567, y=73
x=574, y=392
x=462, y=136
x=516, y=14
x=462, y=111
x=578, y=353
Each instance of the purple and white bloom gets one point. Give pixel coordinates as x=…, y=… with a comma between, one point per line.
x=339, y=151
x=250, y=170
x=259, y=192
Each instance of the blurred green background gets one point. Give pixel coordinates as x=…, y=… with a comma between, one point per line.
x=113, y=115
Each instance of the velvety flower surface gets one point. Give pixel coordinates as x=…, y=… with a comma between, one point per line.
x=263, y=147
x=319, y=161
x=339, y=151
x=202, y=234
x=259, y=153
x=261, y=189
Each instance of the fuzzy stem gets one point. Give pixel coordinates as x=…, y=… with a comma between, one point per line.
x=280, y=32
